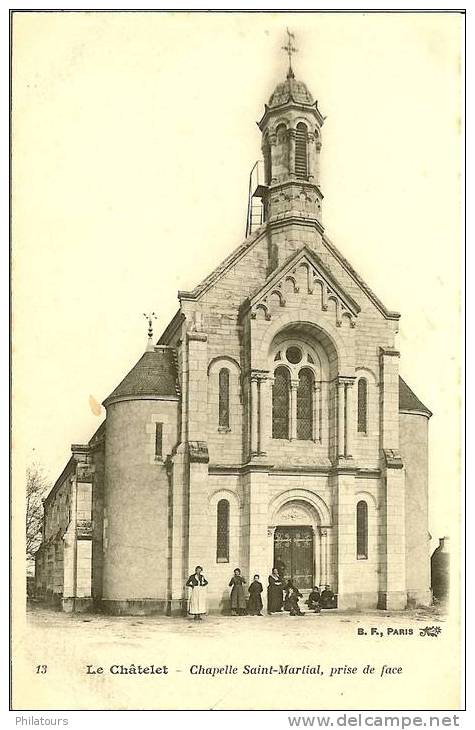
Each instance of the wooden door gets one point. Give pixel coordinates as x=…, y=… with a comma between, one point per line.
x=293, y=554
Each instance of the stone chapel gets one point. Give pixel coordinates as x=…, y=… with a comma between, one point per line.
x=269, y=423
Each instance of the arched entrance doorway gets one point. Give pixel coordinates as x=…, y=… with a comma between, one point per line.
x=299, y=537
x=294, y=554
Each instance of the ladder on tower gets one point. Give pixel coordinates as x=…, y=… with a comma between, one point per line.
x=256, y=195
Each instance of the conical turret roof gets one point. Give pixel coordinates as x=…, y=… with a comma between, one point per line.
x=155, y=374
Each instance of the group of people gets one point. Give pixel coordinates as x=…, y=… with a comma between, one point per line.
x=281, y=595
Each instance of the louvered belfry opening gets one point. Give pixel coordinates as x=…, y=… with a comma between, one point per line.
x=301, y=164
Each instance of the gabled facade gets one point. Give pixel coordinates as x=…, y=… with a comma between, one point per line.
x=268, y=425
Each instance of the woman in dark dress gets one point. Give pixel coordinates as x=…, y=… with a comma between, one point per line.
x=254, y=606
x=275, y=592
x=238, y=599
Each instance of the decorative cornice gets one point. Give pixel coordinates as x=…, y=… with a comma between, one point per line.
x=80, y=448
x=296, y=470
x=196, y=336
x=259, y=375
x=389, y=351
x=292, y=219
x=121, y=398
x=231, y=469
x=295, y=182
x=364, y=472
x=344, y=465
x=345, y=379
x=415, y=412
x=276, y=110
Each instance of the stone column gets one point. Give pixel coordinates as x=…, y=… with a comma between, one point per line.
x=254, y=415
x=341, y=417
x=324, y=413
x=270, y=553
x=317, y=436
x=273, y=162
x=323, y=556
x=311, y=157
x=260, y=411
x=294, y=384
x=265, y=420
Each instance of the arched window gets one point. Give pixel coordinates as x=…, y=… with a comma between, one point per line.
x=280, y=404
x=305, y=404
x=223, y=405
x=222, y=531
x=301, y=163
x=362, y=530
x=362, y=405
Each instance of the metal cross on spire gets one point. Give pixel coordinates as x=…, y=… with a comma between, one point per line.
x=150, y=317
x=290, y=49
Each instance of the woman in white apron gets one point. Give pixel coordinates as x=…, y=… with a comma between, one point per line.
x=197, y=601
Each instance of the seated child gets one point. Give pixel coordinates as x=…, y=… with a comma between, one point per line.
x=313, y=600
x=288, y=589
x=293, y=598
x=328, y=598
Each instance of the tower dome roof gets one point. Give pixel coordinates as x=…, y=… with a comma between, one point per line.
x=290, y=90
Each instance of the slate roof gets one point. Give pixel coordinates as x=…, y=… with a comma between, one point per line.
x=154, y=374
x=408, y=401
x=290, y=90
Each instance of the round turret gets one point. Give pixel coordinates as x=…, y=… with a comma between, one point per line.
x=141, y=431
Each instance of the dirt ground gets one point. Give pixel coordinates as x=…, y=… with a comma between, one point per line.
x=67, y=644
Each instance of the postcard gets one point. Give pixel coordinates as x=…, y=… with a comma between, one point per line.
x=236, y=250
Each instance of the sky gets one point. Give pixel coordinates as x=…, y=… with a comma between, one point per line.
x=133, y=138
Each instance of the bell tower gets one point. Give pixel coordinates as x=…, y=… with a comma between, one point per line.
x=291, y=143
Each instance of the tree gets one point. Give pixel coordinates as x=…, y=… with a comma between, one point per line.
x=37, y=486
